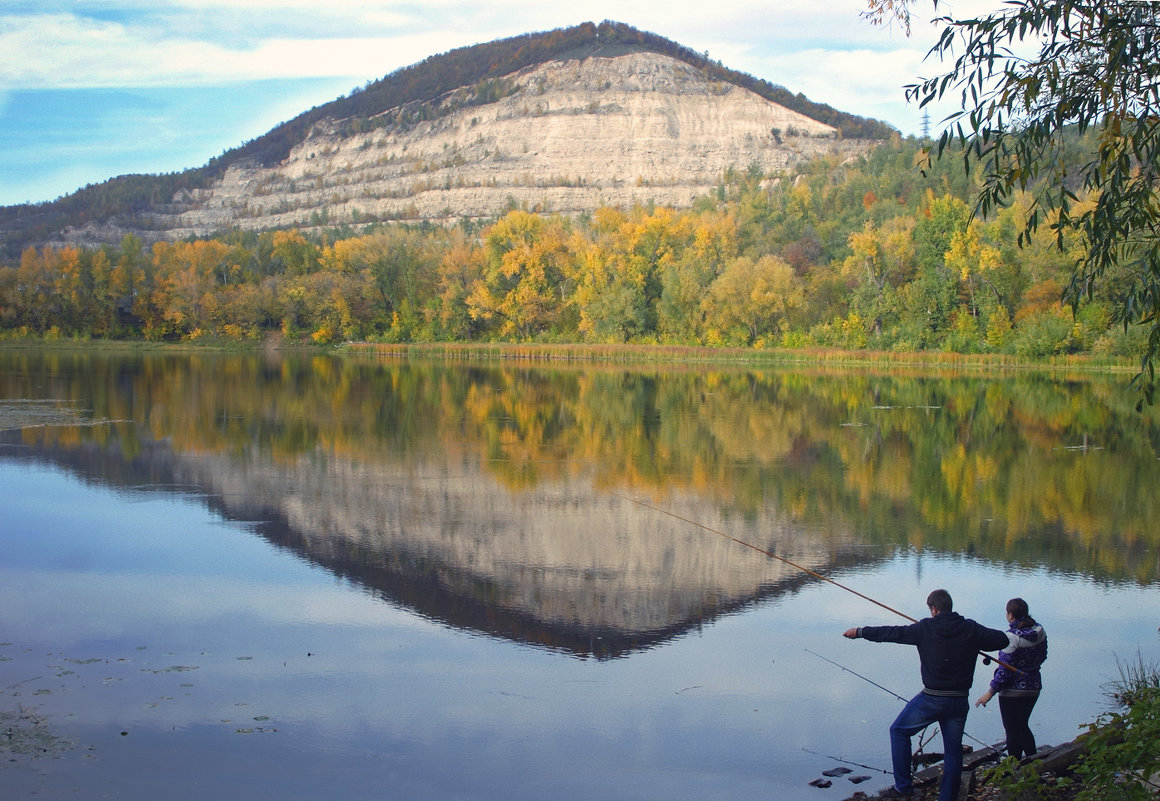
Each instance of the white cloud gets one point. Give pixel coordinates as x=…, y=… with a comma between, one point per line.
x=198, y=42
x=851, y=78
x=60, y=51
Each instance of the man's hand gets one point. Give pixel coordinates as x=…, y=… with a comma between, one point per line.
x=850, y=634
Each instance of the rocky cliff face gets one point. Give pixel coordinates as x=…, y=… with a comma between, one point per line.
x=565, y=137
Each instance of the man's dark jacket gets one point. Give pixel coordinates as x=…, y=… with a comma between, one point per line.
x=947, y=646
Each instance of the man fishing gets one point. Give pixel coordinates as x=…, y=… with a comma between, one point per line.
x=948, y=644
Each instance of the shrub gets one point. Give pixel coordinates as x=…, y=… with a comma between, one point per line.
x=1042, y=334
x=1024, y=783
x=1124, y=744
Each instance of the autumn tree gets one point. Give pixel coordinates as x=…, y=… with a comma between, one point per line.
x=753, y=298
x=610, y=297
x=73, y=287
x=34, y=298
x=527, y=275
x=290, y=253
x=461, y=265
x=187, y=275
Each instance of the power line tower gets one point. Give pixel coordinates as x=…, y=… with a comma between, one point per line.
x=925, y=124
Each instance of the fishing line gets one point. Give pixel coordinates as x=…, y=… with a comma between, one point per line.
x=17, y=684
x=859, y=675
x=792, y=564
x=848, y=762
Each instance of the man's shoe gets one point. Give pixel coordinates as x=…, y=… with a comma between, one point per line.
x=894, y=792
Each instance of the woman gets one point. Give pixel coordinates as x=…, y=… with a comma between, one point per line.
x=1018, y=688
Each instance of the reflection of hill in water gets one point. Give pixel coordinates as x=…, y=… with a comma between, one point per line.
x=564, y=565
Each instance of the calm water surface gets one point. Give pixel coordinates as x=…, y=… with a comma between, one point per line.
x=306, y=577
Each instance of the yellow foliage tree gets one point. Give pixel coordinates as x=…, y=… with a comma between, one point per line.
x=753, y=296
x=527, y=276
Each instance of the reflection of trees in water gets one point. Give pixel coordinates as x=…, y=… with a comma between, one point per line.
x=1030, y=468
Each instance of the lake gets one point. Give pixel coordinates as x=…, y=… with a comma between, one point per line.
x=293, y=576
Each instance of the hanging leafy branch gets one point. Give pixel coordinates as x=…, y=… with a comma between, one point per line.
x=1030, y=76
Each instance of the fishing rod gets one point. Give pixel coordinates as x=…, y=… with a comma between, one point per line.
x=770, y=554
x=795, y=565
x=880, y=687
x=921, y=742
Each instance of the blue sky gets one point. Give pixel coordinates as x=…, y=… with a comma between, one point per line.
x=91, y=89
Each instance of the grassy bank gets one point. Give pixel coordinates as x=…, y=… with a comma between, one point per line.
x=618, y=354
x=770, y=357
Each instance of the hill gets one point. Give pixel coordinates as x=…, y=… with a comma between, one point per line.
x=564, y=121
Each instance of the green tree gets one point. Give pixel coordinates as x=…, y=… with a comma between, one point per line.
x=1032, y=75
x=651, y=241
x=104, y=318
x=392, y=262
x=9, y=280
x=879, y=261
x=928, y=302
x=710, y=243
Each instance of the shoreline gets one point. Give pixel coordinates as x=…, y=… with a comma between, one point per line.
x=615, y=354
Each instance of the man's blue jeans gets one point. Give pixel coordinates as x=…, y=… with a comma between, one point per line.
x=922, y=710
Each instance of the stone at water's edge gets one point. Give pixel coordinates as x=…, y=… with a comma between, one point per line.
x=1048, y=759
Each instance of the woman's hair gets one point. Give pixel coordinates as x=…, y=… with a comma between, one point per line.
x=1017, y=608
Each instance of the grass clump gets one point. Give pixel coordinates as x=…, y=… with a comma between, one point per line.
x=1123, y=744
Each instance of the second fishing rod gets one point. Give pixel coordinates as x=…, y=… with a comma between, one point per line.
x=884, y=689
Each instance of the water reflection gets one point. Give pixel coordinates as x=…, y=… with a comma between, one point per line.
x=400, y=457
x=493, y=500
x=440, y=529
